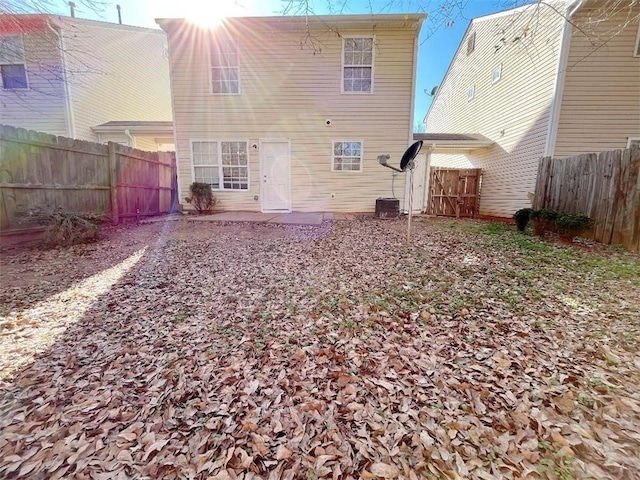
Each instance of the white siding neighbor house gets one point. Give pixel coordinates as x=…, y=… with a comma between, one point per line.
x=69, y=76
x=538, y=85
x=291, y=113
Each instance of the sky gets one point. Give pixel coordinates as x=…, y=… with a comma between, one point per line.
x=436, y=47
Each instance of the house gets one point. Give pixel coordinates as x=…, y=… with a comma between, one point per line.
x=85, y=79
x=538, y=85
x=286, y=114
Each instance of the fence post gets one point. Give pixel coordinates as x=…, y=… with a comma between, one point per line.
x=113, y=183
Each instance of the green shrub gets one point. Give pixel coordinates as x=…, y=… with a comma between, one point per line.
x=522, y=217
x=574, y=222
x=202, y=197
x=543, y=220
x=545, y=214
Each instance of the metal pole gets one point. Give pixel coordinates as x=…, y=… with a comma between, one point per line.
x=410, y=205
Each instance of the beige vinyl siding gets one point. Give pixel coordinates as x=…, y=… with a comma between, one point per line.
x=451, y=159
x=146, y=143
x=116, y=72
x=42, y=107
x=513, y=112
x=601, y=97
x=287, y=92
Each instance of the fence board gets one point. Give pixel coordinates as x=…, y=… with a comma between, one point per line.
x=41, y=171
x=604, y=186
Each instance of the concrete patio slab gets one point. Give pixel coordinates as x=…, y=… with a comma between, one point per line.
x=298, y=218
x=235, y=217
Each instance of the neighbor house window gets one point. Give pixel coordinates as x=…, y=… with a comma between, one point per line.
x=347, y=157
x=636, y=51
x=225, y=74
x=471, y=43
x=12, y=63
x=497, y=74
x=471, y=92
x=633, y=142
x=357, y=65
x=223, y=165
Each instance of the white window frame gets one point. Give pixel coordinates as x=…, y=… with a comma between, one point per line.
x=220, y=166
x=632, y=139
x=211, y=66
x=471, y=92
x=333, y=156
x=636, y=50
x=373, y=64
x=498, y=70
x=23, y=64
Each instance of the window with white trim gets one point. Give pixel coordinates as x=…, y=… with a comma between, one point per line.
x=347, y=156
x=225, y=71
x=633, y=142
x=636, y=52
x=471, y=92
x=223, y=165
x=12, y=63
x=357, y=65
x=496, y=74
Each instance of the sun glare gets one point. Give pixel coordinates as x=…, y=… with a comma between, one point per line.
x=212, y=14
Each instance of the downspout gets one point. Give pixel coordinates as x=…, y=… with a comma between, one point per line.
x=414, y=80
x=132, y=141
x=413, y=93
x=563, y=58
x=71, y=124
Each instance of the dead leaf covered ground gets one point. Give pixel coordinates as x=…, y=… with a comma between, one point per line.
x=185, y=350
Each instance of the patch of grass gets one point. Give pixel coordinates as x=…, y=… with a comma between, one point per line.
x=179, y=319
x=562, y=468
x=494, y=228
x=586, y=400
x=532, y=244
x=615, y=268
x=348, y=324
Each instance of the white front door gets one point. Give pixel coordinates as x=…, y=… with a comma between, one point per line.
x=275, y=170
x=419, y=184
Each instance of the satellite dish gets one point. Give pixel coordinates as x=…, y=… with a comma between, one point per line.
x=410, y=154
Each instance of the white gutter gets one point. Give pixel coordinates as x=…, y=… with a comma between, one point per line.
x=563, y=58
x=71, y=124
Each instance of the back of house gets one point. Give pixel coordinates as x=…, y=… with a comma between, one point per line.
x=291, y=113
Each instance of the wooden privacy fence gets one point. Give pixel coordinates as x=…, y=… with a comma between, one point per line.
x=454, y=192
x=604, y=186
x=43, y=172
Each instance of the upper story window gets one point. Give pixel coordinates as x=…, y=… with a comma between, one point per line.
x=471, y=92
x=225, y=71
x=347, y=156
x=223, y=165
x=496, y=74
x=471, y=43
x=357, y=65
x=12, y=63
x=636, y=52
